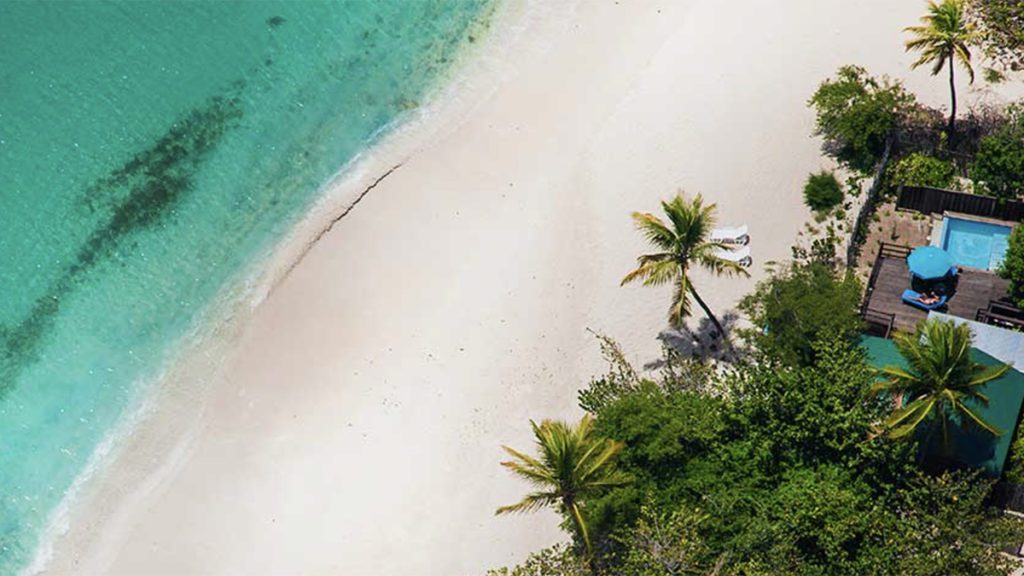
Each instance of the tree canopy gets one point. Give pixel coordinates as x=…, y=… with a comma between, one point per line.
x=775, y=467
x=918, y=169
x=1001, y=27
x=791, y=308
x=998, y=166
x=857, y=115
x=1012, y=267
x=684, y=242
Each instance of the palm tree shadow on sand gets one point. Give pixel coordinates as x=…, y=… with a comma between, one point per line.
x=702, y=342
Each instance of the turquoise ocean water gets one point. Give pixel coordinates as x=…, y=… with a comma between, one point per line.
x=149, y=152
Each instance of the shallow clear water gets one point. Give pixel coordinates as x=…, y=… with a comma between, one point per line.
x=149, y=151
x=975, y=244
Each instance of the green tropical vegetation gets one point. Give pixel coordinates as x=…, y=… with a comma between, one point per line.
x=799, y=301
x=858, y=116
x=558, y=560
x=920, y=169
x=944, y=39
x=777, y=469
x=822, y=192
x=797, y=456
x=943, y=378
x=1012, y=267
x=1000, y=26
x=573, y=465
x=998, y=166
x=682, y=243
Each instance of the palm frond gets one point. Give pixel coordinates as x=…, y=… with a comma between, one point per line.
x=652, y=271
x=978, y=420
x=942, y=375
x=679, y=311
x=654, y=230
x=988, y=374
x=944, y=35
x=531, y=503
x=572, y=463
x=904, y=422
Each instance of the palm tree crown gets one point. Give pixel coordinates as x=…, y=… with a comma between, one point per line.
x=683, y=242
x=944, y=36
x=573, y=464
x=941, y=378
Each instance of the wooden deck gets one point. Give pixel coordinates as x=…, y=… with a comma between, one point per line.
x=974, y=290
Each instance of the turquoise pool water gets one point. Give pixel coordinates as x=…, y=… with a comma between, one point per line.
x=975, y=244
x=149, y=152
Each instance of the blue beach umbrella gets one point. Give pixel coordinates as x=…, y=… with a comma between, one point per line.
x=929, y=262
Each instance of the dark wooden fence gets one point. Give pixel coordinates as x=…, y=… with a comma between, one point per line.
x=1009, y=496
x=934, y=200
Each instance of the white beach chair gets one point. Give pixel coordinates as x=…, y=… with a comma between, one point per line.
x=739, y=255
x=731, y=235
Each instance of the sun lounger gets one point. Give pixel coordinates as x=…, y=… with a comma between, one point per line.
x=911, y=297
x=739, y=255
x=731, y=235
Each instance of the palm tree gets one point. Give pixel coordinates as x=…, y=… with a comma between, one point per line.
x=682, y=244
x=941, y=378
x=574, y=464
x=944, y=37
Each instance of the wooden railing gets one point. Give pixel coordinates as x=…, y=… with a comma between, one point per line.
x=885, y=250
x=878, y=323
x=1000, y=313
x=933, y=200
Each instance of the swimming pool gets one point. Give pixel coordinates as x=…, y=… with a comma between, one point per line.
x=973, y=243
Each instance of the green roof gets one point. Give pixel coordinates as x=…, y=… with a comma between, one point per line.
x=972, y=447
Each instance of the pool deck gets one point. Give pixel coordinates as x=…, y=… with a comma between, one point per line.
x=890, y=276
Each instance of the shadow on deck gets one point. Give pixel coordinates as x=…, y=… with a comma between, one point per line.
x=977, y=293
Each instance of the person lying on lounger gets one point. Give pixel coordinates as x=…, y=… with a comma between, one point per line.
x=928, y=298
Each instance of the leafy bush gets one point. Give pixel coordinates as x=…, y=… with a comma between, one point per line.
x=822, y=192
x=920, y=170
x=781, y=477
x=677, y=373
x=1014, y=471
x=665, y=544
x=858, y=114
x=1001, y=23
x=794, y=307
x=998, y=167
x=1012, y=267
x=559, y=560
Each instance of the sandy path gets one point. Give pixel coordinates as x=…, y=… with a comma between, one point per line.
x=358, y=426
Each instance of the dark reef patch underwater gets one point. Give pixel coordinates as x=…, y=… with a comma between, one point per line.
x=137, y=195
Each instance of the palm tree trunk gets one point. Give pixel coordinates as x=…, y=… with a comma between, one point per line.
x=922, y=449
x=952, y=96
x=581, y=531
x=707, y=311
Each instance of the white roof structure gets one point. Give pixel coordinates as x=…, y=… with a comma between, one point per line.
x=1002, y=344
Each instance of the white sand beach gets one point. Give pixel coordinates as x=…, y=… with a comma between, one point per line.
x=351, y=423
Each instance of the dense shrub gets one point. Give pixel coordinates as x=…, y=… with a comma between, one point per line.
x=822, y=192
x=795, y=306
x=857, y=115
x=1012, y=267
x=920, y=170
x=1014, y=471
x=781, y=469
x=998, y=167
x=1001, y=23
x=559, y=560
x=781, y=476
